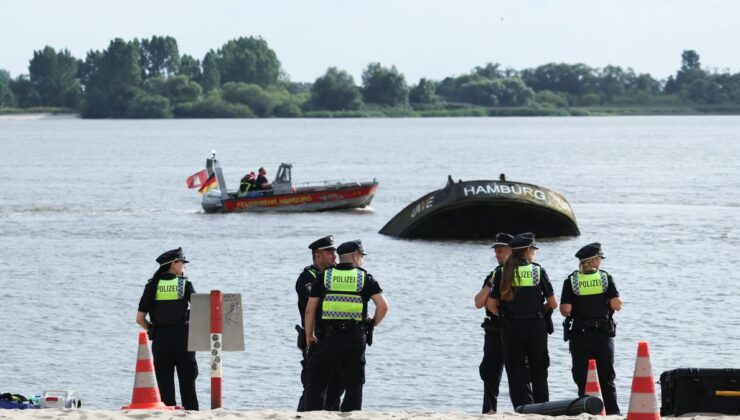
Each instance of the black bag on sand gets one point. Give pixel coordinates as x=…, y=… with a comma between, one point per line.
x=690, y=390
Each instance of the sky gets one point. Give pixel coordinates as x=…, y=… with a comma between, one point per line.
x=422, y=38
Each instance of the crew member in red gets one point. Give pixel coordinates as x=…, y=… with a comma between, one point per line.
x=247, y=184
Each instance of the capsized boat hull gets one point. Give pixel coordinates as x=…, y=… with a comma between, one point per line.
x=336, y=197
x=480, y=209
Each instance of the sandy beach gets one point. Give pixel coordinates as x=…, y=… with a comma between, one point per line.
x=275, y=414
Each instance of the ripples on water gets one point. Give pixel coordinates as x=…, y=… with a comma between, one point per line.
x=88, y=205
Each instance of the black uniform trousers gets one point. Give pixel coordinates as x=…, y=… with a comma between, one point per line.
x=526, y=359
x=170, y=352
x=491, y=368
x=340, y=353
x=334, y=390
x=599, y=346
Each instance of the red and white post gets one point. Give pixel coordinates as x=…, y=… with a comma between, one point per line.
x=216, y=349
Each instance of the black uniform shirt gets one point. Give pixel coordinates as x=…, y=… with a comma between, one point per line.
x=303, y=288
x=370, y=288
x=488, y=282
x=527, y=300
x=589, y=306
x=165, y=312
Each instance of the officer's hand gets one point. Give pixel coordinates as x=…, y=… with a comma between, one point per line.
x=310, y=341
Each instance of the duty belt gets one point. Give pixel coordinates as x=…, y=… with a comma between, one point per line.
x=591, y=325
x=343, y=327
x=536, y=315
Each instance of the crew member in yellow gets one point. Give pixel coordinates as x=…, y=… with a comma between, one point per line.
x=166, y=299
x=337, y=326
x=492, y=365
x=589, y=300
x=521, y=294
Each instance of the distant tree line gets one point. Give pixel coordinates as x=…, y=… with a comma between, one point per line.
x=148, y=78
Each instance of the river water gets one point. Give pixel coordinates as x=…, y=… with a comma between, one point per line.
x=87, y=206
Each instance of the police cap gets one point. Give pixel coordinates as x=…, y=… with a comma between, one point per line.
x=589, y=251
x=171, y=256
x=327, y=242
x=350, y=247
x=523, y=240
x=501, y=239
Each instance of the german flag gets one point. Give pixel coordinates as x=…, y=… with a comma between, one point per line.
x=208, y=185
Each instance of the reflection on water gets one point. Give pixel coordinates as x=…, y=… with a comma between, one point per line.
x=88, y=205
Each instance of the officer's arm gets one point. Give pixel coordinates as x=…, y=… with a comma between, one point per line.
x=552, y=302
x=616, y=303
x=492, y=306
x=482, y=296
x=310, y=315
x=381, y=308
x=565, y=309
x=141, y=320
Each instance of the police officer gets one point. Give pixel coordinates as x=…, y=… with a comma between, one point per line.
x=590, y=297
x=521, y=293
x=493, y=351
x=324, y=256
x=337, y=308
x=166, y=299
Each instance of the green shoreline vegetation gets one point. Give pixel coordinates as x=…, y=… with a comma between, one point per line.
x=148, y=78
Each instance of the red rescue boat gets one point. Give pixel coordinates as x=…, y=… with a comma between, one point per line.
x=283, y=196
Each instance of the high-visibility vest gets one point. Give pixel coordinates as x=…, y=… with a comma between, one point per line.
x=527, y=276
x=171, y=289
x=594, y=283
x=342, y=300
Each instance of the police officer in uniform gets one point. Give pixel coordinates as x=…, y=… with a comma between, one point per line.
x=323, y=254
x=166, y=299
x=589, y=299
x=521, y=293
x=493, y=349
x=337, y=325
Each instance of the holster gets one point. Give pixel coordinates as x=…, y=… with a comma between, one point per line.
x=567, y=323
x=301, y=342
x=492, y=324
x=370, y=328
x=152, y=332
x=547, y=312
x=612, y=327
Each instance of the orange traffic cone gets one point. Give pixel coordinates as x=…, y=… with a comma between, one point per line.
x=146, y=393
x=592, y=383
x=643, y=400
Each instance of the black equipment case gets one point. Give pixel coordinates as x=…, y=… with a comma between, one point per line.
x=690, y=390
